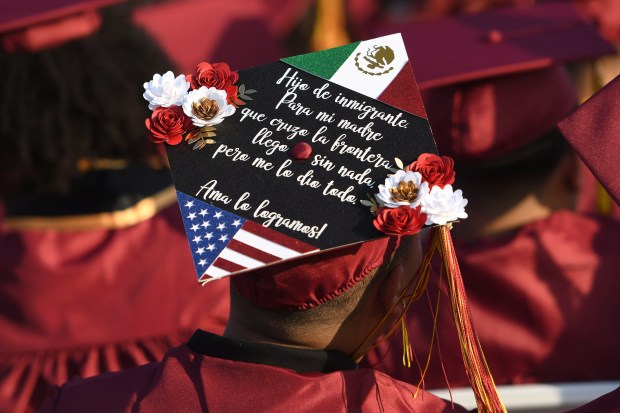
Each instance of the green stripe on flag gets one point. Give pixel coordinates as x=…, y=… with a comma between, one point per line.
x=324, y=63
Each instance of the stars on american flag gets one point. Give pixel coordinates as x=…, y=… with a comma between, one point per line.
x=209, y=230
x=223, y=243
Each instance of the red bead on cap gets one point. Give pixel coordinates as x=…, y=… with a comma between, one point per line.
x=301, y=151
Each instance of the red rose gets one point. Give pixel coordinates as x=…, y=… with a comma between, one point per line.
x=399, y=221
x=231, y=96
x=217, y=75
x=168, y=125
x=436, y=170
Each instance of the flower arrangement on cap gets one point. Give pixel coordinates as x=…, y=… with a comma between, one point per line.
x=417, y=195
x=190, y=106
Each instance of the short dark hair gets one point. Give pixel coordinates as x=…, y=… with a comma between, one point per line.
x=79, y=100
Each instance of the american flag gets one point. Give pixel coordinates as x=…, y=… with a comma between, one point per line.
x=223, y=243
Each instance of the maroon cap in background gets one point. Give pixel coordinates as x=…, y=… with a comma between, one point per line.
x=32, y=25
x=191, y=31
x=490, y=118
x=491, y=81
x=594, y=132
x=451, y=50
x=19, y=14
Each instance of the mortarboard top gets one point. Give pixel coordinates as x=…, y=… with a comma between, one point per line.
x=594, y=132
x=451, y=50
x=237, y=33
x=355, y=107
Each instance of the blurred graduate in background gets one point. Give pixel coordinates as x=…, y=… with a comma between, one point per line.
x=540, y=276
x=88, y=203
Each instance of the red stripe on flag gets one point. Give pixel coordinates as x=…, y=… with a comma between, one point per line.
x=251, y=252
x=277, y=237
x=227, y=265
x=403, y=93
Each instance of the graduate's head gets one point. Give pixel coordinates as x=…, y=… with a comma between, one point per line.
x=71, y=78
x=337, y=299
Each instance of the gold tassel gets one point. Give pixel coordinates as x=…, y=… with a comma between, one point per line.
x=604, y=204
x=482, y=383
x=407, y=351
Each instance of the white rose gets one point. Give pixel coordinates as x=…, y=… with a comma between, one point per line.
x=165, y=90
x=443, y=205
x=411, y=192
x=218, y=96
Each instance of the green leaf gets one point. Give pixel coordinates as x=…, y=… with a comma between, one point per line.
x=247, y=97
x=365, y=203
x=250, y=91
x=241, y=89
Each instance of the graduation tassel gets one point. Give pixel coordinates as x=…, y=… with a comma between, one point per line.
x=482, y=383
x=407, y=351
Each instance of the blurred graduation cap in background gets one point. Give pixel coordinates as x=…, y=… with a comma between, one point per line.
x=33, y=25
x=594, y=132
x=236, y=32
x=493, y=81
x=450, y=50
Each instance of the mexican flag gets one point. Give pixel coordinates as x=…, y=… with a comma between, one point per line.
x=378, y=68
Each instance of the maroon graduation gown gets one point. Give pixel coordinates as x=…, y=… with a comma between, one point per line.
x=543, y=302
x=82, y=302
x=244, y=377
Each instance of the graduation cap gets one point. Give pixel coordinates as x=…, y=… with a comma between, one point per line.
x=298, y=178
x=492, y=80
x=594, y=132
x=285, y=159
x=458, y=49
x=33, y=25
